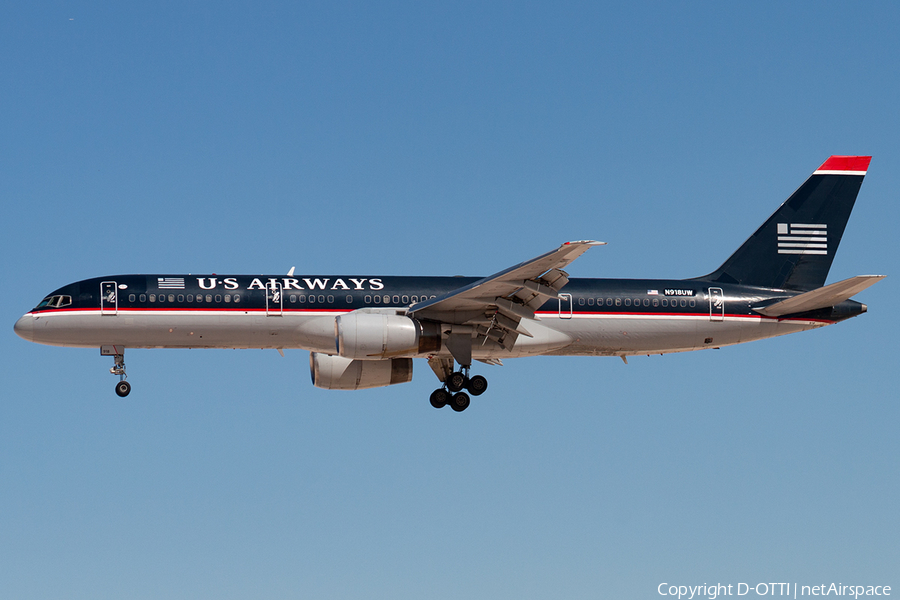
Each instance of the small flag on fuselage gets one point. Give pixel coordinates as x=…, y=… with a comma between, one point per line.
x=171, y=283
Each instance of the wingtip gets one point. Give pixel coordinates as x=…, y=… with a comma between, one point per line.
x=585, y=243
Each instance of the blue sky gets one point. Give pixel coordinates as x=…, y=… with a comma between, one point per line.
x=425, y=138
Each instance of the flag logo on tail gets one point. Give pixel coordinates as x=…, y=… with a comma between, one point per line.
x=170, y=283
x=802, y=238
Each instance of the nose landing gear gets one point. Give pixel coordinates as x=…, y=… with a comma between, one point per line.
x=123, y=388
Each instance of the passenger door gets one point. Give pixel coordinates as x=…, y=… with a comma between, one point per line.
x=565, y=306
x=274, y=299
x=716, y=304
x=109, y=298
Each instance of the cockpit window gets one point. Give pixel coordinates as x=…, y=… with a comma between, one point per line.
x=55, y=302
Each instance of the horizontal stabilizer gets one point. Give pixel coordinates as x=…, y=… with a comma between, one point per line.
x=824, y=297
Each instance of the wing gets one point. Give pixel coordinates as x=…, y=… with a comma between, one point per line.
x=496, y=305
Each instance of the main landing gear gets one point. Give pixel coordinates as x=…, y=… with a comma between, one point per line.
x=123, y=388
x=452, y=392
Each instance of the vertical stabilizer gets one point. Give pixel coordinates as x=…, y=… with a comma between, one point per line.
x=794, y=248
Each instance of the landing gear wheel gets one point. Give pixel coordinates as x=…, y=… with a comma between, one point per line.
x=459, y=402
x=477, y=385
x=123, y=388
x=439, y=398
x=456, y=382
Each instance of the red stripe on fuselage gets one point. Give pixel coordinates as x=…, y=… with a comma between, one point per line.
x=263, y=311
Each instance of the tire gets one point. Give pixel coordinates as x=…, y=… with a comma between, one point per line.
x=439, y=398
x=456, y=382
x=460, y=402
x=123, y=388
x=477, y=385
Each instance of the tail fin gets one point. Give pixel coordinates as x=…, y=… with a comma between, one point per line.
x=794, y=248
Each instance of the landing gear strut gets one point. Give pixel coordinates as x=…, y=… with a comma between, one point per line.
x=452, y=392
x=123, y=388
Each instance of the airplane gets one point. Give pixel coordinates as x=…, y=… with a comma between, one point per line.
x=364, y=332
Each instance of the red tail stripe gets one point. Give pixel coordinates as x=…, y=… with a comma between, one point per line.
x=846, y=163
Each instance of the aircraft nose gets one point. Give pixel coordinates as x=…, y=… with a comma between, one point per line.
x=24, y=328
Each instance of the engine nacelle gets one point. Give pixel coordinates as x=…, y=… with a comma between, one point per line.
x=373, y=335
x=339, y=373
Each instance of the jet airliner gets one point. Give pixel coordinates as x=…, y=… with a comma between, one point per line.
x=364, y=331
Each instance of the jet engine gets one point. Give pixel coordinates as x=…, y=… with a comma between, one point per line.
x=373, y=335
x=339, y=373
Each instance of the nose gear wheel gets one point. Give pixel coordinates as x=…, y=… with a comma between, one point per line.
x=123, y=388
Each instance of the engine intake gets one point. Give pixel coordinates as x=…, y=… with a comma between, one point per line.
x=339, y=373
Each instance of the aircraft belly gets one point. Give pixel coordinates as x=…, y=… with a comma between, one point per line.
x=171, y=330
x=626, y=335
x=619, y=335
x=606, y=335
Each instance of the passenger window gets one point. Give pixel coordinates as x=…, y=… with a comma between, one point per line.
x=293, y=298
x=367, y=299
x=181, y=297
x=590, y=301
x=131, y=297
x=377, y=299
x=692, y=303
x=655, y=302
x=386, y=299
x=237, y=297
x=199, y=297
x=302, y=298
x=627, y=301
x=665, y=303
x=190, y=298
x=321, y=299
x=162, y=297
x=646, y=301
x=152, y=297
x=209, y=297
x=396, y=299
x=171, y=297
x=618, y=302
x=143, y=297
x=581, y=302
x=349, y=299
x=415, y=299
x=683, y=303
x=405, y=299
x=228, y=298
